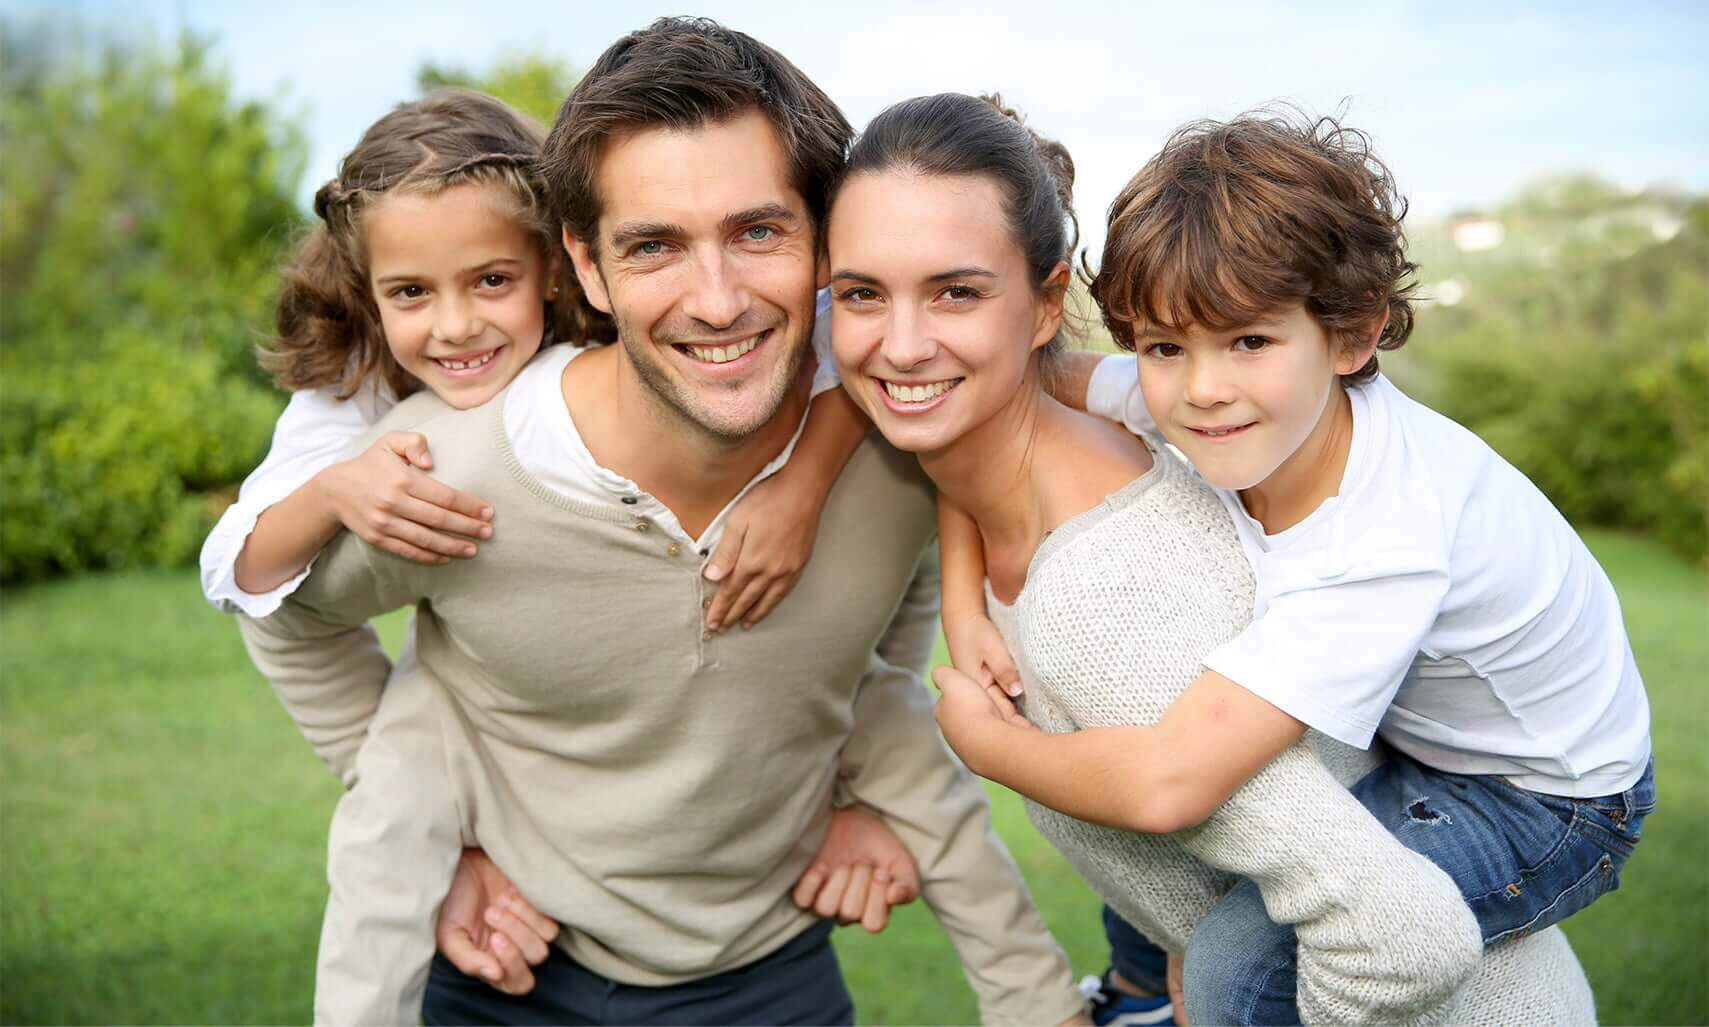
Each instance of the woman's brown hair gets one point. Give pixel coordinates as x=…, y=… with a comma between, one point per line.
x=1235, y=220
x=328, y=324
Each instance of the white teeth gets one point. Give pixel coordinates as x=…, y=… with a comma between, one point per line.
x=461, y=365
x=724, y=354
x=918, y=393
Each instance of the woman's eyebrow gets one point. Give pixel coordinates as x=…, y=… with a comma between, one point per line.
x=961, y=272
x=854, y=276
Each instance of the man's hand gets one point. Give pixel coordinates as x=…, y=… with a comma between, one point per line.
x=974, y=717
x=488, y=930
x=860, y=871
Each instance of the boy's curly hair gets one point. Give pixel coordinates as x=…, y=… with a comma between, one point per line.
x=1233, y=220
x=327, y=321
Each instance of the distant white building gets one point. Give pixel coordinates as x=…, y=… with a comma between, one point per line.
x=1476, y=232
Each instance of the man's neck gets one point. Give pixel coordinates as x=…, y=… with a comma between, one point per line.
x=630, y=433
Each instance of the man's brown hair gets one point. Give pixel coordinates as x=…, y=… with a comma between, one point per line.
x=682, y=73
x=1234, y=220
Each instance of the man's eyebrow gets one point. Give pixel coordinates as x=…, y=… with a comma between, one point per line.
x=754, y=215
x=634, y=231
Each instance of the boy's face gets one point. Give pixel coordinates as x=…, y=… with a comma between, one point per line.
x=1243, y=404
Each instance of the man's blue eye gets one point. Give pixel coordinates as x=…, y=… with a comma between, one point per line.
x=760, y=232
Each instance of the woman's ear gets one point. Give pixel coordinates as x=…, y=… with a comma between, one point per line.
x=1052, y=295
x=587, y=272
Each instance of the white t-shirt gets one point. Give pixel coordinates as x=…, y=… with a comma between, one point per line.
x=1440, y=601
x=317, y=429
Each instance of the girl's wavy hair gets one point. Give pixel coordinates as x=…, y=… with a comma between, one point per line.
x=1234, y=220
x=958, y=134
x=327, y=321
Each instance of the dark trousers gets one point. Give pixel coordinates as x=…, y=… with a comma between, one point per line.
x=800, y=983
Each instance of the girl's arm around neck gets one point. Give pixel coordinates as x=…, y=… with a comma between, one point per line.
x=768, y=537
x=1156, y=779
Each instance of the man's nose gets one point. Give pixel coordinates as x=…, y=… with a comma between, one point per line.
x=716, y=297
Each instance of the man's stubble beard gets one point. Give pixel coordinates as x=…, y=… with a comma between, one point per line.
x=675, y=401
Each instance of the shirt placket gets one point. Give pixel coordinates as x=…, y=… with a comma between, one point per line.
x=652, y=519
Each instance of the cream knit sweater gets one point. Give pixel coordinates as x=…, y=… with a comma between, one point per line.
x=1120, y=604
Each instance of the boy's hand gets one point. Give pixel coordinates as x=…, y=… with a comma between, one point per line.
x=976, y=647
x=386, y=497
x=971, y=715
x=860, y=871
x=768, y=538
x=488, y=930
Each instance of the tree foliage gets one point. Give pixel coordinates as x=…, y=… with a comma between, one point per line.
x=143, y=210
x=534, y=85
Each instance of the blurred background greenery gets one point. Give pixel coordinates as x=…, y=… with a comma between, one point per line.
x=162, y=826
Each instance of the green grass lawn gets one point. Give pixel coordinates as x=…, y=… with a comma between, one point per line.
x=161, y=825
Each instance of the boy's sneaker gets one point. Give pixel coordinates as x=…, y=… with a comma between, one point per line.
x=1112, y=1007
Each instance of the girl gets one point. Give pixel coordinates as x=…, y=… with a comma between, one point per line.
x=1110, y=571
x=437, y=266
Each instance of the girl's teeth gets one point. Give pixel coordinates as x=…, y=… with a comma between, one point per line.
x=917, y=393
x=462, y=365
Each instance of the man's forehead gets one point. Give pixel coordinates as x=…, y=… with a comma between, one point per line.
x=691, y=176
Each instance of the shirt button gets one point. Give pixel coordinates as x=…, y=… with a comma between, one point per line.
x=641, y=526
x=631, y=500
x=706, y=636
x=673, y=550
x=706, y=604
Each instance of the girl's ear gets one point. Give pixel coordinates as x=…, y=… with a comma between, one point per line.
x=587, y=272
x=1052, y=295
x=1358, y=349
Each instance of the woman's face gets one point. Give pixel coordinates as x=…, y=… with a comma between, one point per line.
x=933, y=317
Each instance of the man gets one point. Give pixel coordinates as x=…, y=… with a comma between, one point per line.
x=646, y=783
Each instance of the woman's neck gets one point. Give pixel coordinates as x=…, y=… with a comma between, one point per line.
x=988, y=472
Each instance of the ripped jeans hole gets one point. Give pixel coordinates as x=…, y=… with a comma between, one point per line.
x=1422, y=813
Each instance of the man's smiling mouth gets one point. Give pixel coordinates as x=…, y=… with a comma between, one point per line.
x=721, y=354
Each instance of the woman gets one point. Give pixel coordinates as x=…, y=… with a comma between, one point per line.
x=1110, y=571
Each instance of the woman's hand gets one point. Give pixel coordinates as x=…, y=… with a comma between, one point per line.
x=860, y=871
x=488, y=930
x=386, y=497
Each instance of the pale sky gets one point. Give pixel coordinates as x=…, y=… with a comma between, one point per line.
x=1465, y=100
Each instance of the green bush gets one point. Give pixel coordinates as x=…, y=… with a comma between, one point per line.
x=143, y=214
x=1590, y=375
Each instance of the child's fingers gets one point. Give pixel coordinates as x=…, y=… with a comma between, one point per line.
x=729, y=551
x=905, y=882
x=543, y=926
x=751, y=586
x=876, y=916
x=437, y=493
x=807, y=889
x=507, y=924
x=831, y=895
x=774, y=594
x=517, y=979
x=465, y=955
x=1005, y=676
x=409, y=532
x=854, y=903
x=442, y=519
x=412, y=446
x=398, y=547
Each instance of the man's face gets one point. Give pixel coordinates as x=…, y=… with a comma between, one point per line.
x=705, y=259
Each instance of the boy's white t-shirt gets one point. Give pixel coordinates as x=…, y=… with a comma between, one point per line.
x=315, y=432
x=1439, y=601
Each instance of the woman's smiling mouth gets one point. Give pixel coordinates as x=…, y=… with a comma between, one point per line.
x=915, y=397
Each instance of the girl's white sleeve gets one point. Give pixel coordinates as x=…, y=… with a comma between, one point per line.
x=825, y=377
x=1113, y=393
x=311, y=435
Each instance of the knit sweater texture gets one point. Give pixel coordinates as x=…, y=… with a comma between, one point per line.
x=1120, y=604
x=656, y=789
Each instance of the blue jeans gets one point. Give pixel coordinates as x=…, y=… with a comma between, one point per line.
x=1134, y=956
x=1523, y=861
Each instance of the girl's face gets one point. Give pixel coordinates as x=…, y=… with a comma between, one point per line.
x=461, y=288
x=934, y=319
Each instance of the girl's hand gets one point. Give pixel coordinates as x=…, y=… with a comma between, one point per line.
x=973, y=717
x=860, y=871
x=977, y=650
x=768, y=538
x=386, y=497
